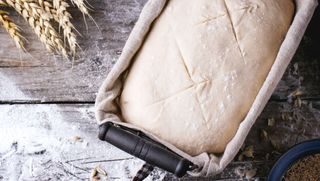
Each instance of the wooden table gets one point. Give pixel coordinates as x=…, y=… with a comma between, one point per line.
x=47, y=124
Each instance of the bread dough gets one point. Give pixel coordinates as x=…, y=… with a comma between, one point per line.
x=200, y=68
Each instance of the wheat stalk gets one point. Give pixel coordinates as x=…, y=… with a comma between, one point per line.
x=39, y=20
x=12, y=29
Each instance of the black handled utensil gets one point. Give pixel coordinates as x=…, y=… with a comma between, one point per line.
x=139, y=145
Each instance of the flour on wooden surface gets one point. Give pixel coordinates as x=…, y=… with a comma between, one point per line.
x=47, y=142
x=8, y=90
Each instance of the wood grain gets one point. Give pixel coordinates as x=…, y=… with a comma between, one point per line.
x=48, y=78
x=303, y=123
x=55, y=89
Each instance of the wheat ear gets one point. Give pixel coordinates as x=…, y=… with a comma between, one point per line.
x=12, y=29
x=63, y=18
x=58, y=11
x=47, y=7
x=39, y=20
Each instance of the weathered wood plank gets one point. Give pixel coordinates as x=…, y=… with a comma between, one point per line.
x=292, y=125
x=40, y=76
x=53, y=128
x=230, y=174
x=57, y=142
x=45, y=77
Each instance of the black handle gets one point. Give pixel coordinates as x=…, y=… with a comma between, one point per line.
x=144, y=149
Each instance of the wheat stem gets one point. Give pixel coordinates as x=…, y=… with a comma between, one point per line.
x=12, y=29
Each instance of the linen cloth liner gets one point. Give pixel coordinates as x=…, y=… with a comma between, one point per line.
x=108, y=110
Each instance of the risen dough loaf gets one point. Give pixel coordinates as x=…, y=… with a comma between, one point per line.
x=200, y=68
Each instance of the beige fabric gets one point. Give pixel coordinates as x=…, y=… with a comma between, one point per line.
x=194, y=79
x=107, y=103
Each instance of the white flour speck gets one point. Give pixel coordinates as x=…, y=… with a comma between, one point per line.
x=229, y=97
x=221, y=107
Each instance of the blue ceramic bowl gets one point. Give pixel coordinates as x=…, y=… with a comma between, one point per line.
x=291, y=156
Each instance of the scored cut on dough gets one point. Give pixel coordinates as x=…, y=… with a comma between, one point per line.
x=200, y=68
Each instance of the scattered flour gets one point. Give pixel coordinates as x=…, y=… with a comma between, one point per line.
x=37, y=143
x=8, y=90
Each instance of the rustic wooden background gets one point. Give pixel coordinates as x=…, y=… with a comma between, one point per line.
x=38, y=86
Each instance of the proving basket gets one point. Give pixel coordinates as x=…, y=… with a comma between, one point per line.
x=157, y=152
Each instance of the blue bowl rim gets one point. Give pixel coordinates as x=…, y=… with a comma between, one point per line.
x=295, y=153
